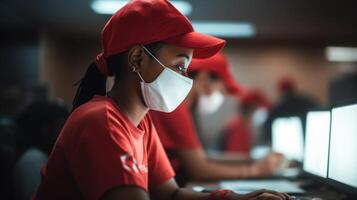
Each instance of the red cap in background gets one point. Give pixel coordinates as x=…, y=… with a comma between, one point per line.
x=254, y=98
x=286, y=84
x=217, y=64
x=142, y=22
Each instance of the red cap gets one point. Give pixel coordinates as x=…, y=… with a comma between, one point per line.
x=141, y=22
x=217, y=64
x=286, y=84
x=254, y=98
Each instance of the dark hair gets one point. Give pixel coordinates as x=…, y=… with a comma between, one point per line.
x=94, y=82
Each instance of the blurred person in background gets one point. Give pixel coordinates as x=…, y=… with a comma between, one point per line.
x=177, y=131
x=8, y=156
x=239, y=133
x=344, y=87
x=14, y=98
x=290, y=103
x=40, y=123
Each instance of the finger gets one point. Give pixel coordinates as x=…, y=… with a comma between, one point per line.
x=255, y=193
x=281, y=195
x=275, y=195
x=268, y=196
x=284, y=195
x=287, y=197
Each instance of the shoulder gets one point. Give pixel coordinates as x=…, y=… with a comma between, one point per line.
x=100, y=112
x=95, y=108
x=98, y=119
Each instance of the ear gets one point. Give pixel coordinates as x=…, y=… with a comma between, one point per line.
x=135, y=58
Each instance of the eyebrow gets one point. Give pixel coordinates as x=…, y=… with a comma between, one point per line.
x=184, y=55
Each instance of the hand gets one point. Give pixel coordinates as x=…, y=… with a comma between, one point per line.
x=259, y=195
x=269, y=164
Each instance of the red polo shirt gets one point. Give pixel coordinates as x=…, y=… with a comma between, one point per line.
x=239, y=136
x=98, y=149
x=176, y=131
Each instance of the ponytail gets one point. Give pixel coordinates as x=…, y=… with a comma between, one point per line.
x=93, y=83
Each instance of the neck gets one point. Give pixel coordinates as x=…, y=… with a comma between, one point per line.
x=129, y=101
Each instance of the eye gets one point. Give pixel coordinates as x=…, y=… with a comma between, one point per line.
x=181, y=68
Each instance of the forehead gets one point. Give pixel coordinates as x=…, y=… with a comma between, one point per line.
x=175, y=51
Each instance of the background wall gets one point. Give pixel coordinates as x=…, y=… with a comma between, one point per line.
x=261, y=66
x=63, y=61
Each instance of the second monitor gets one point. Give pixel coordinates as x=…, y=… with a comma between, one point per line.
x=317, y=142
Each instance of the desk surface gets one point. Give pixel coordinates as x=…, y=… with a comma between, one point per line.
x=319, y=191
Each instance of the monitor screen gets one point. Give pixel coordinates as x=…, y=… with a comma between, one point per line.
x=287, y=137
x=317, y=142
x=343, y=145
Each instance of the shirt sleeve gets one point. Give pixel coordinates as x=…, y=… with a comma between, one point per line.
x=176, y=129
x=239, y=137
x=160, y=169
x=102, y=159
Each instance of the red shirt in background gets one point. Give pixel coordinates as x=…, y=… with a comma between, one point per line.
x=176, y=131
x=239, y=136
x=98, y=149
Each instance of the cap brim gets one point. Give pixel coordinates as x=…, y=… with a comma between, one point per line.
x=204, y=45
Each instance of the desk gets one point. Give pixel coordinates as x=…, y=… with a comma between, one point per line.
x=313, y=189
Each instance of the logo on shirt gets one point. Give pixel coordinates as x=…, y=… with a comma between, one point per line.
x=129, y=163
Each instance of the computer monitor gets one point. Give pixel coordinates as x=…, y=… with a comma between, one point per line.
x=317, y=136
x=287, y=137
x=343, y=146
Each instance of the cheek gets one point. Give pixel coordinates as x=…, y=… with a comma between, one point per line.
x=221, y=86
x=208, y=89
x=150, y=71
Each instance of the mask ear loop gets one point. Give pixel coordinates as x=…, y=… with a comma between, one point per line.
x=133, y=69
x=140, y=76
x=157, y=60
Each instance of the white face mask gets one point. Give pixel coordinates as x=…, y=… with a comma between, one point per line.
x=209, y=104
x=167, y=91
x=260, y=116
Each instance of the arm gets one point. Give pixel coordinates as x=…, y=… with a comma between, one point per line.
x=229, y=158
x=126, y=192
x=170, y=191
x=166, y=191
x=199, y=168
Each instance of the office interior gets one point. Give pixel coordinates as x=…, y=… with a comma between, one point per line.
x=47, y=45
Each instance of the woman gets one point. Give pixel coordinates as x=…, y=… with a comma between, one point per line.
x=108, y=148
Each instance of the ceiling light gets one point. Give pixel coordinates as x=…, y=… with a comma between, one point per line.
x=109, y=7
x=341, y=54
x=225, y=29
